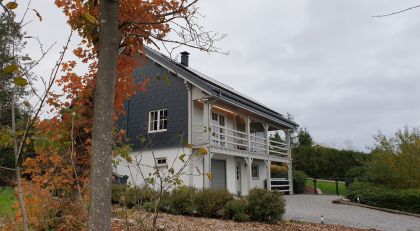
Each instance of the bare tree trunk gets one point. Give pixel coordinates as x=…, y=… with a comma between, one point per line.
x=17, y=165
x=102, y=139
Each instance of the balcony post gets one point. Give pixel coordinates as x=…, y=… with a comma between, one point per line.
x=248, y=131
x=207, y=138
x=268, y=170
x=289, y=165
x=248, y=161
x=267, y=140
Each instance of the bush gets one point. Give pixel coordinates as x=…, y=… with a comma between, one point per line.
x=299, y=181
x=356, y=173
x=278, y=171
x=131, y=196
x=371, y=194
x=235, y=210
x=264, y=205
x=179, y=201
x=241, y=217
x=209, y=202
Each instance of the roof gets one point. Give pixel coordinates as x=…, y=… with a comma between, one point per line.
x=217, y=89
x=322, y=145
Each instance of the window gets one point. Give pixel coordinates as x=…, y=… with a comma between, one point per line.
x=255, y=172
x=158, y=120
x=161, y=162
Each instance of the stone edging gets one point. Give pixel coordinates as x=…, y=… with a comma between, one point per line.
x=345, y=202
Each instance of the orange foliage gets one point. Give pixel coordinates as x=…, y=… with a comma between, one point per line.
x=56, y=193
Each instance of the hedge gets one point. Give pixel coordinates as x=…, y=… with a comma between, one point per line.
x=371, y=194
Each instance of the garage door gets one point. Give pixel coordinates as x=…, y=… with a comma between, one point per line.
x=218, y=170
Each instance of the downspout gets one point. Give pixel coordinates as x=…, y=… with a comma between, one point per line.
x=191, y=164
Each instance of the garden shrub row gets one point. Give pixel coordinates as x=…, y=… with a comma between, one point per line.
x=260, y=205
x=407, y=200
x=132, y=196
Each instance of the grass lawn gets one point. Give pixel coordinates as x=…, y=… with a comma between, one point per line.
x=7, y=200
x=328, y=187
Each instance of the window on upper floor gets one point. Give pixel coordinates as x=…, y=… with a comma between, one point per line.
x=158, y=120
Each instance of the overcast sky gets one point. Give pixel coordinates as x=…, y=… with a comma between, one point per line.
x=341, y=73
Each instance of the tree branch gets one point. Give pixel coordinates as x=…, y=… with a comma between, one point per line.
x=397, y=12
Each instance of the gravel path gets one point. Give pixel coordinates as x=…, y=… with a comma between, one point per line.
x=311, y=207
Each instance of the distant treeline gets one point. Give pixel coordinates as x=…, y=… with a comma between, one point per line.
x=320, y=162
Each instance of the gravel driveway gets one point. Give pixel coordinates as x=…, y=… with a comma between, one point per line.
x=311, y=207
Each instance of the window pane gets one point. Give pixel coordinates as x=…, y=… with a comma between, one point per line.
x=161, y=161
x=222, y=121
x=255, y=171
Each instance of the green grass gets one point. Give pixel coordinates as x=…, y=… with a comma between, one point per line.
x=328, y=187
x=7, y=200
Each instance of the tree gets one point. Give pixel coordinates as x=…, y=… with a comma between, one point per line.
x=395, y=161
x=102, y=137
x=17, y=77
x=304, y=138
x=124, y=27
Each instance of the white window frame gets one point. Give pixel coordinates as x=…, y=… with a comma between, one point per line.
x=161, y=165
x=258, y=172
x=158, y=121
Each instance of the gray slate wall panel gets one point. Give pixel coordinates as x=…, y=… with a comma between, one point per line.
x=165, y=90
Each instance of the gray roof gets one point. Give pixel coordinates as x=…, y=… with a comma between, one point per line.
x=218, y=89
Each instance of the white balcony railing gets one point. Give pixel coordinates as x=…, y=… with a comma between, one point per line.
x=234, y=139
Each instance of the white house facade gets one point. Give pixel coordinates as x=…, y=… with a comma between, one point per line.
x=183, y=106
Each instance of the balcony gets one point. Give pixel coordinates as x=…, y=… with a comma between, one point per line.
x=242, y=141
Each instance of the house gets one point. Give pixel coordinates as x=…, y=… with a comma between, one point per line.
x=183, y=106
x=322, y=146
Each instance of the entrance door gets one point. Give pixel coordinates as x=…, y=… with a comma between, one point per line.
x=238, y=179
x=218, y=170
x=219, y=120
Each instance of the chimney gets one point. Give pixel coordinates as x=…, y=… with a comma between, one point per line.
x=184, y=58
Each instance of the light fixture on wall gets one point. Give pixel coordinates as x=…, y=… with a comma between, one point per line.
x=224, y=109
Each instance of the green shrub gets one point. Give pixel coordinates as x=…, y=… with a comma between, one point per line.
x=299, y=180
x=208, y=202
x=179, y=201
x=241, y=217
x=233, y=208
x=131, y=196
x=264, y=205
x=371, y=194
x=355, y=174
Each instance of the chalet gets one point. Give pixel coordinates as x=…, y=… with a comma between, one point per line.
x=184, y=106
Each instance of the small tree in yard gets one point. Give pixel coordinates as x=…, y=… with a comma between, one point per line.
x=18, y=116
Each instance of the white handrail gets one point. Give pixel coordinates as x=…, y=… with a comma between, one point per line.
x=234, y=139
x=229, y=129
x=227, y=141
x=258, y=137
x=277, y=142
x=228, y=135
